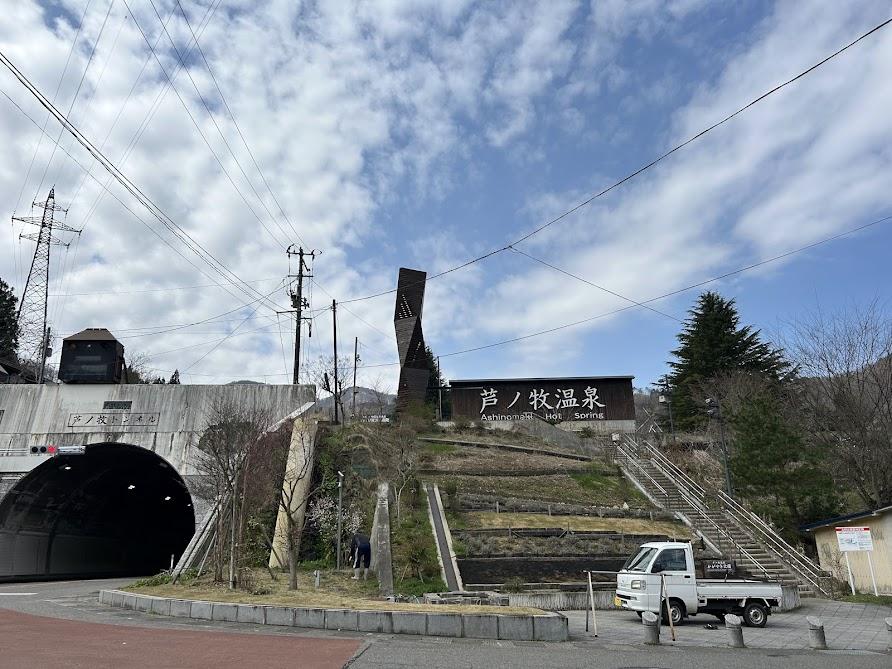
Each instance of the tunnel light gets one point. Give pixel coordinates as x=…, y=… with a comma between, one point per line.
x=131, y=487
x=167, y=499
x=66, y=467
x=189, y=505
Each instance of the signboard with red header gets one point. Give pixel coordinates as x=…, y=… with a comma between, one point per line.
x=854, y=539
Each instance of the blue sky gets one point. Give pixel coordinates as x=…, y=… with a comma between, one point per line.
x=424, y=133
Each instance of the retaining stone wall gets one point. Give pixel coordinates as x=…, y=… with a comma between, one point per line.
x=544, y=627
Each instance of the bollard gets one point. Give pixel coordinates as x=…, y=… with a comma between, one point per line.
x=318, y=577
x=651, y=622
x=816, y=637
x=735, y=631
x=889, y=630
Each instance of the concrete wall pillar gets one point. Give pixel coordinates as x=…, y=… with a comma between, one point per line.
x=295, y=487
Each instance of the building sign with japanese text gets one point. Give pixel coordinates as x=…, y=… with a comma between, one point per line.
x=104, y=420
x=854, y=539
x=556, y=400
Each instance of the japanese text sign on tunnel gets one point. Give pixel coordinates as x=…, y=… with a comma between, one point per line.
x=113, y=419
x=854, y=539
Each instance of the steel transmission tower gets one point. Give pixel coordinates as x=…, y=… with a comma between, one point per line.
x=33, y=331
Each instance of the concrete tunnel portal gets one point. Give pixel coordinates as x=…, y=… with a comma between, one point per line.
x=115, y=510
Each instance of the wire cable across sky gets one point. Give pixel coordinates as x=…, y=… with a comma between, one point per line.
x=642, y=169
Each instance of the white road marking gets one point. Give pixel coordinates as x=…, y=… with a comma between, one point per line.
x=17, y=594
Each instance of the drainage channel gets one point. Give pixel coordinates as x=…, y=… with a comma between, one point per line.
x=440, y=536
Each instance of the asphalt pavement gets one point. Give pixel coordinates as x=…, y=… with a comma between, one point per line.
x=62, y=624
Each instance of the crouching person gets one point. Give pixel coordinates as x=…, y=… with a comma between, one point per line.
x=361, y=552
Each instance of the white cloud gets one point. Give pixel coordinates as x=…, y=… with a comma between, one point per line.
x=358, y=112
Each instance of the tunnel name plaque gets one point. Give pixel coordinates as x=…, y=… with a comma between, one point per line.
x=113, y=419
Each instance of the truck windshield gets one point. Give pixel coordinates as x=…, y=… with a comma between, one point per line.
x=640, y=560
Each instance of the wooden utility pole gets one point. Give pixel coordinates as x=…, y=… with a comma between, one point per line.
x=298, y=302
x=334, y=321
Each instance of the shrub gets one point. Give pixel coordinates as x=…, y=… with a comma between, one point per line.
x=515, y=584
x=461, y=423
x=161, y=578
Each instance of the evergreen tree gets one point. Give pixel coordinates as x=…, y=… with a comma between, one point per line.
x=713, y=343
x=9, y=328
x=434, y=383
x=780, y=475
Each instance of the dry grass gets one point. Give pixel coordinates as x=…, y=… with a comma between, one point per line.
x=567, y=488
x=336, y=590
x=490, y=519
x=461, y=459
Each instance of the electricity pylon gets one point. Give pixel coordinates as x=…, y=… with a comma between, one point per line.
x=33, y=332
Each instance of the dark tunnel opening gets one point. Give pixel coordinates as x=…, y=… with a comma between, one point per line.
x=115, y=510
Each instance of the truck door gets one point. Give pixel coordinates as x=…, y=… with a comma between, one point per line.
x=672, y=563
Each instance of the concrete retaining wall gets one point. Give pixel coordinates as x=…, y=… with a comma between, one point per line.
x=545, y=627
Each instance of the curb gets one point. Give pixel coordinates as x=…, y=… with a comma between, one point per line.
x=544, y=627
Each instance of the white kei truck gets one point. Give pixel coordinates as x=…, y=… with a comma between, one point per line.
x=663, y=571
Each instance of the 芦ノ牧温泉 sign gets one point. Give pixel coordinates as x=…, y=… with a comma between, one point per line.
x=557, y=400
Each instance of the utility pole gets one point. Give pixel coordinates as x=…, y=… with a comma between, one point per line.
x=31, y=317
x=298, y=302
x=334, y=321
x=439, y=391
x=355, y=362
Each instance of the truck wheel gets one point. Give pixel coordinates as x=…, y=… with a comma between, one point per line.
x=755, y=615
x=676, y=610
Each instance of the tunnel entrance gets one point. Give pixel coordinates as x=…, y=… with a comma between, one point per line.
x=115, y=510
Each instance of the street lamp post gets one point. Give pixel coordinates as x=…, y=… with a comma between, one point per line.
x=667, y=400
x=340, y=501
x=718, y=414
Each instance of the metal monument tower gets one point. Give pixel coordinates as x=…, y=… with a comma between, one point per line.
x=33, y=332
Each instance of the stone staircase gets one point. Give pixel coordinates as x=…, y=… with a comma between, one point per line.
x=731, y=528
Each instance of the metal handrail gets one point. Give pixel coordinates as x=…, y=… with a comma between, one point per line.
x=633, y=461
x=698, y=505
x=678, y=472
x=806, y=569
x=802, y=564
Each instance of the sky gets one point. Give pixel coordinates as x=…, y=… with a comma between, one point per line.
x=424, y=133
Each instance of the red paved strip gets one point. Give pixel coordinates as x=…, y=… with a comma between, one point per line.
x=34, y=641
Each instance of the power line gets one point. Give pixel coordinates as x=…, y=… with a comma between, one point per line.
x=238, y=129
x=699, y=284
x=641, y=169
x=164, y=290
x=148, y=116
x=77, y=34
x=120, y=201
x=76, y=93
x=134, y=190
x=195, y=122
x=594, y=285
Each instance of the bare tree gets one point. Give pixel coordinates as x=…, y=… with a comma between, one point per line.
x=322, y=371
x=397, y=456
x=225, y=449
x=846, y=385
